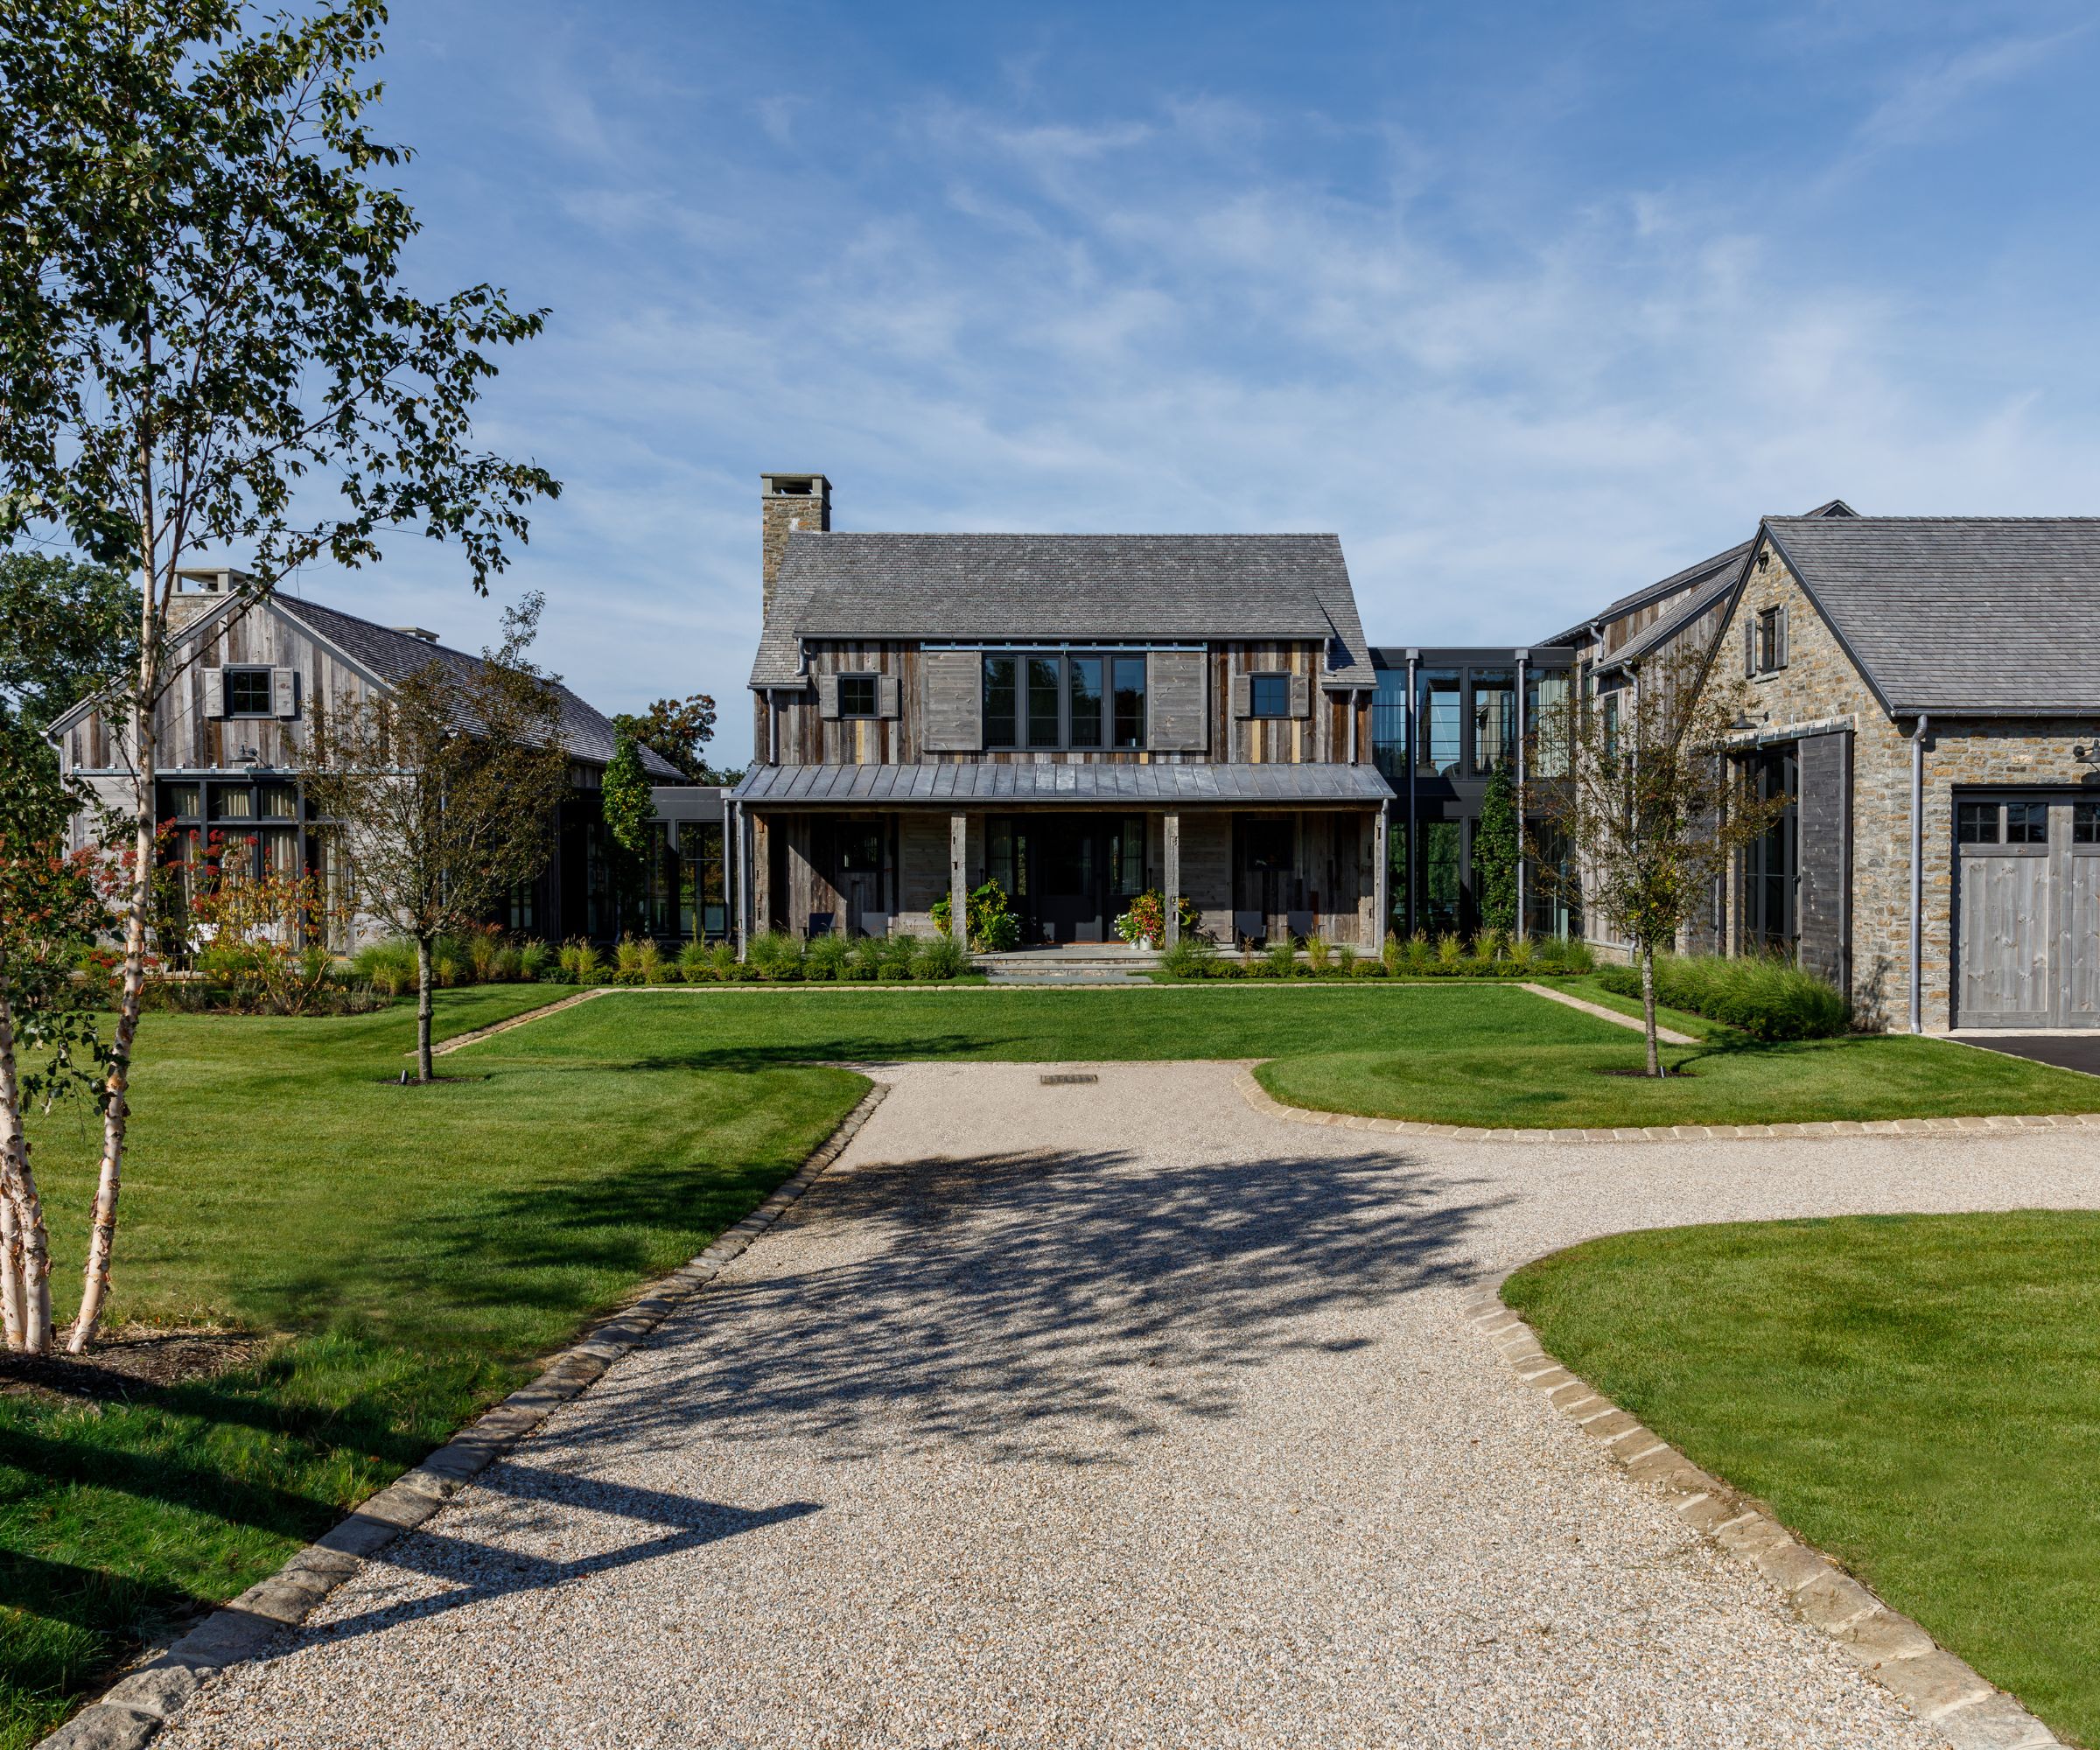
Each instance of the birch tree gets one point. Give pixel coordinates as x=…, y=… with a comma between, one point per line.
x=207, y=345
x=444, y=791
x=1653, y=811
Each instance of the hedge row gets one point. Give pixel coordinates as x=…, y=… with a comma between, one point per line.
x=1767, y=999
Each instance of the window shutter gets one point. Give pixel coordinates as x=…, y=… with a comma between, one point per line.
x=1174, y=695
x=826, y=695
x=954, y=704
x=1301, y=695
x=1243, y=696
x=284, y=692
x=890, y=703
x=1779, y=657
x=1749, y=642
x=215, y=693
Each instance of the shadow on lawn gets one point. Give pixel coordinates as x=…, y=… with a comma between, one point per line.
x=1052, y=1306
x=872, y=1047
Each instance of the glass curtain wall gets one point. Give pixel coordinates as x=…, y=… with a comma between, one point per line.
x=1493, y=720
x=1438, y=722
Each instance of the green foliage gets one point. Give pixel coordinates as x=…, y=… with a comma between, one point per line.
x=940, y=957
x=1392, y=955
x=625, y=796
x=775, y=958
x=993, y=928
x=1449, y=951
x=66, y=630
x=867, y=957
x=695, y=963
x=637, y=960
x=828, y=959
x=579, y=962
x=534, y=957
x=1192, y=957
x=675, y=730
x=1345, y=959
x=1766, y=999
x=1318, y=954
x=1281, y=956
x=897, y=955
x=1497, y=847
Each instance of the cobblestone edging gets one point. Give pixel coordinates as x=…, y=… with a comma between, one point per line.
x=1263, y=1101
x=1667, y=1035
x=1942, y=1689
x=133, y=1710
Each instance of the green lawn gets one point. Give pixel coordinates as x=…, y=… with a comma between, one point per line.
x=1917, y=1394
x=418, y=1247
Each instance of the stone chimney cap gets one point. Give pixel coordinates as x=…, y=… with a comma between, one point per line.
x=211, y=580
x=415, y=632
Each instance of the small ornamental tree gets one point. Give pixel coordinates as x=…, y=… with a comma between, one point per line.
x=206, y=348
x=1497, y=845
x=629, y=810
x=444, y=791
x=1653, y=810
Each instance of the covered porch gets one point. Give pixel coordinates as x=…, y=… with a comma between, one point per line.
x=1258, y=851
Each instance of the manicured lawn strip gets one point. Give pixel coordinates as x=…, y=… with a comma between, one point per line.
x=1919, y=1395
x=1529, y=1086
x=698, y=1029
x=1679, y=1020
x=420, y=1248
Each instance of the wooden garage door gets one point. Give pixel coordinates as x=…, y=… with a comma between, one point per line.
x=2027, y=919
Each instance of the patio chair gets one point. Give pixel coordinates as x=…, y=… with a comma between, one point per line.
x=1301, y=925
x=875, y=923
x=1252, y=928
x=821, y=923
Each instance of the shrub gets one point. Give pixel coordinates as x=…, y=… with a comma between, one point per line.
x=1191, y=956
x=579, y=962
x=1368, y=969
x=866, y=957
x=446, y=970
x=484, y=949
x=1521, y=954
x=638, y=961
x=1345, y=959
x=1487, y=958
x=1318, y=954
x=827, y=959
x=993, y=928
x=898, y=955
x=1391, y=957
x=1282, y=957
x=1421, y=958
x=1251, y=965
x=1450, y=952
x=940, y=957
x=388, y=966
x=1559, y=954
x=696, y=962
x=1768, y=999
x=721, y=961
x=776, y=957
x=534, y=959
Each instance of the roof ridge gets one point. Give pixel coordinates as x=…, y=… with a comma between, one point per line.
x=377, y=625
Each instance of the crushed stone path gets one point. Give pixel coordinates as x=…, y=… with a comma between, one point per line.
x=1113, y=1413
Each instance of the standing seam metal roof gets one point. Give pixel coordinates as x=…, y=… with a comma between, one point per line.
x=1097, y=783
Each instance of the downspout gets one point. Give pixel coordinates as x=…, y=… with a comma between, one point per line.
x=1408, y=721
x=1523, y=917
x=1917, y=872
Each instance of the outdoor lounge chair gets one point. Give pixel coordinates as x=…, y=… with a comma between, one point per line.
x=1252, y=928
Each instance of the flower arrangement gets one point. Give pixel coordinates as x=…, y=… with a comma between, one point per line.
x=1144, y=924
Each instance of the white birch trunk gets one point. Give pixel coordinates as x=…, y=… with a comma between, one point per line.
x=102, y=1241
x=422, y=1009
x=1648, y=1007
x=27, y=1284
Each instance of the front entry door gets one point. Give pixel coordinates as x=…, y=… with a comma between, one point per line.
x=853, y=863
x=1070, y=889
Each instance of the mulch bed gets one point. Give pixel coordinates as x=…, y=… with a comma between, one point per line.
x=131, y=1362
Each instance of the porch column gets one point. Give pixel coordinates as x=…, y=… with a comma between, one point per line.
x=958, y=878
x=1381, y=877
x=1171, y=836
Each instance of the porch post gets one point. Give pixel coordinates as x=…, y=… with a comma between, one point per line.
x=742, y=839
x=1171, y=923
x=958, y=878
x=1523, y=915
x=1381, y=896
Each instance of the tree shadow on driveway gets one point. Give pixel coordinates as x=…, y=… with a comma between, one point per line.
x=1053, y=1306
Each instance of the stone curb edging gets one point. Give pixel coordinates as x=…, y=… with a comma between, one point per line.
x=459, y=1041
x=1263, y=1101
x=1942, y=1689
x=127, y=1715
x=1666, y=1035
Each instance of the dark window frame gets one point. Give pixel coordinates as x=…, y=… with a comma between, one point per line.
x=1269, y=694
x=858, y=679
x=1012, y=730
x=240, y=674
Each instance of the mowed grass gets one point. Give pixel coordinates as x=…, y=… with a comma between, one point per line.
x=416, y=1248
x=1919, y=1395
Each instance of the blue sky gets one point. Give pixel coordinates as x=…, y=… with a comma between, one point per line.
x=1530, y=304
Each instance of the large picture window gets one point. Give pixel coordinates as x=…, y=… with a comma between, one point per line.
x=1046, y=701
x=1493, y=720
x=1438, y=720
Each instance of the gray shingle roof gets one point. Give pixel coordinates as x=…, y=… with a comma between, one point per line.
x=390, y=656
x=1061, y=587
x=1682, y=612
x=1096, y=784
x=1973, y=614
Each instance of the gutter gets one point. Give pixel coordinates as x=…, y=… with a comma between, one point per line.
x=1917, y=872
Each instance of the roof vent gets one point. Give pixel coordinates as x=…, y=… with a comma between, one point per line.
x=415, y=632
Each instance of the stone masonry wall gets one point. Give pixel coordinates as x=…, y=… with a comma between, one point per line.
x=1820, y=682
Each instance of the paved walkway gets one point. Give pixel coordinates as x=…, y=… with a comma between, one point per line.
x=1113, y=1414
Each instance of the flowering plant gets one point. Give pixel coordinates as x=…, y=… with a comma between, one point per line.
x=1146, y=919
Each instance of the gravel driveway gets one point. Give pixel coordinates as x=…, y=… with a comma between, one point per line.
x=1115, y=1414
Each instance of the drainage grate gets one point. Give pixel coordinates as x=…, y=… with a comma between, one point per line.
x=1065, y=1080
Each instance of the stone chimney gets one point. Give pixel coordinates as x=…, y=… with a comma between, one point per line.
x=199, y=589
x=788, y=501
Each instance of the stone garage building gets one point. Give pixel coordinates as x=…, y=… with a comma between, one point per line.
x=1926, y=691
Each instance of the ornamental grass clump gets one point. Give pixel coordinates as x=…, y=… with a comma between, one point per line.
x=1282, y=958
x=1191, y=956
x=775, y=958
x=1451, y=952
x=579, y=962
x=827, y=960
x=939, y=958
x=1318, y=954
x=865, y=957
x=695, y=963
x=1767, y=999
x=898, y=956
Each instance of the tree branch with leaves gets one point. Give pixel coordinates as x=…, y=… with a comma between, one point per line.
x=206, y=344
x=1653, y=811
x=443, y=792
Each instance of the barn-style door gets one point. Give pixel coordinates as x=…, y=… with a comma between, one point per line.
x=2027, y=918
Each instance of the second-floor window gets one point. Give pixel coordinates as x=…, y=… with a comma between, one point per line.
x=247, y=692
x=1052, y=700
x=1268, y=695
x=857, y=696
